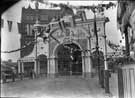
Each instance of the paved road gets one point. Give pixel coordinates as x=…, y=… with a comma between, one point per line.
x=62, y=87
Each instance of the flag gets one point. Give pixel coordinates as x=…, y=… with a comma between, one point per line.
x=2, y=23
x=9, y=25
x=95, y=30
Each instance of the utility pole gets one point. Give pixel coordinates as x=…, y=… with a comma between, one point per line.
x=36, y=29
x=97, y=45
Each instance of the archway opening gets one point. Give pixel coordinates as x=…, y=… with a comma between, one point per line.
x=42, y=61
x=69, y=59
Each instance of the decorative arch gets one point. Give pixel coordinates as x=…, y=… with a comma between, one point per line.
x=70, y=38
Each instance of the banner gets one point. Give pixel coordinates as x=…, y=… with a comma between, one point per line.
x=9, y=26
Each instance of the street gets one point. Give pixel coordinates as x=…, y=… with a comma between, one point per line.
x=61, y=87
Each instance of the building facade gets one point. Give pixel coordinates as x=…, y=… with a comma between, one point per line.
x=68, y=51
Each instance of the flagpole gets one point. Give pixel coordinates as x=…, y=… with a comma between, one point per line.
x=97, y=45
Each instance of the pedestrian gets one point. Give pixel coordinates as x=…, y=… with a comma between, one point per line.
x=13, y=74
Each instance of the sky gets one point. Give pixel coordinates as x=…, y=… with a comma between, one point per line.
x=10, y=40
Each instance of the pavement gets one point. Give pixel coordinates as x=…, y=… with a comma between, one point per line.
x=61, y=87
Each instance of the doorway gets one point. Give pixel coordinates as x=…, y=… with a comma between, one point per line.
x=43, y=64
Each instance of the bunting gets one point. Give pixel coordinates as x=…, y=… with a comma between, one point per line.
x=9, y=25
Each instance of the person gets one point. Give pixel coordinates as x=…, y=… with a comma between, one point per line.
x=13, y=74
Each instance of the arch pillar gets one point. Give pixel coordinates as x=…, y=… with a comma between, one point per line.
x=52, y=66
x=83, y=64
x=87, y=66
